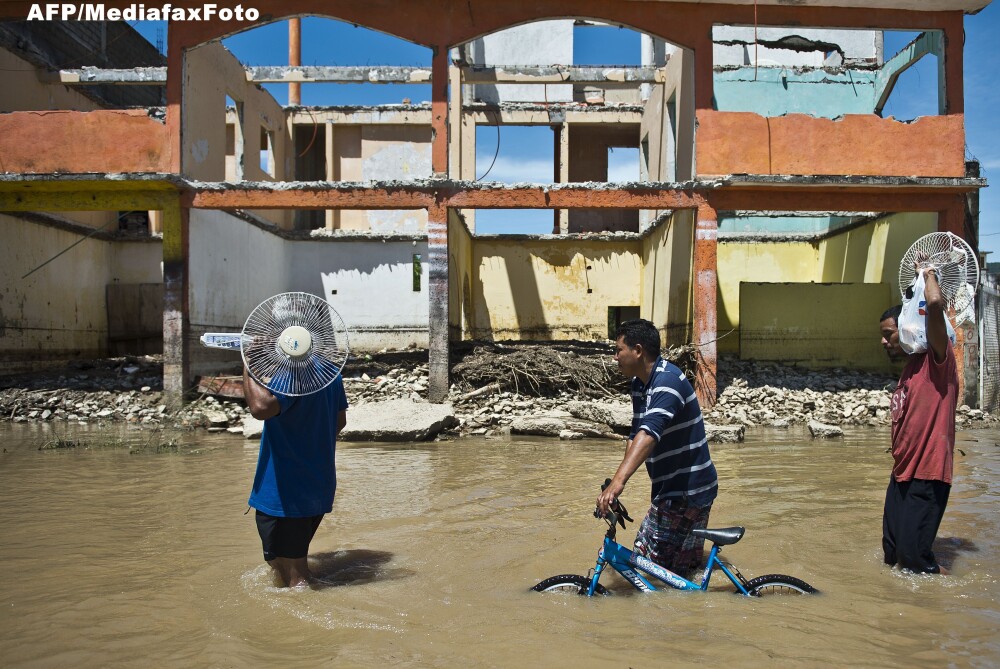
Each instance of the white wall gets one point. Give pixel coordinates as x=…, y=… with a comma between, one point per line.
x=856, y=44
x=373, y=280
x=538, y=43
x=235, y=265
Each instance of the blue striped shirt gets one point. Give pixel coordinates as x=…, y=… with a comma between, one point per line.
x=666, y=408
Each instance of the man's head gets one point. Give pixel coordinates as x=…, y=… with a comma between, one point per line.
x=889, y=325
x=637, y=343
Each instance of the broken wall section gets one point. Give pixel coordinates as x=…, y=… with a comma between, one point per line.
x=60, y=311
x=262, y=139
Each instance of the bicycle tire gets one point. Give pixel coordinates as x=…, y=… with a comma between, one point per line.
x=773, y=584
x=569, y=583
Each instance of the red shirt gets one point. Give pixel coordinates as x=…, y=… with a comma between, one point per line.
x=923, y=418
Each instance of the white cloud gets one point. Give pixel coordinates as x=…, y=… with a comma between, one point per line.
x=513, y=170
x=623, y=165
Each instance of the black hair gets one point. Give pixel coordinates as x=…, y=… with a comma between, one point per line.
x=893, y=313
x=640, y=332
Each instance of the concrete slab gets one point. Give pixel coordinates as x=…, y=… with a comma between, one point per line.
x=397, y=420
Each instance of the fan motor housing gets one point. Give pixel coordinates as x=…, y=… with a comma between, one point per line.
x=295, y=342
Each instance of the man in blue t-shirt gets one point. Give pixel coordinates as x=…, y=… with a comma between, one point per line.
x=668, y=434
x=296, y=476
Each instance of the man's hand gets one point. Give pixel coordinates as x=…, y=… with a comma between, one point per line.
x=608, y=495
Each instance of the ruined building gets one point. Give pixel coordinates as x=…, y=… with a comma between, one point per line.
x=772, y=200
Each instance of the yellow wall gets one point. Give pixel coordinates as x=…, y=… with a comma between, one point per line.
x=460, y=278
x=758, y=262
x=816, y=324
x=60, y=310
x=537, y=289
x=667, y=257
x=867, y=254
x=871, y=253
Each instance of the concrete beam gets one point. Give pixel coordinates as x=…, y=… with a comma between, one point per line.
x=94, y=76
x=363, y=74
x=382, y=74
x=927, y=43
x=455, y=194
x=548, y=74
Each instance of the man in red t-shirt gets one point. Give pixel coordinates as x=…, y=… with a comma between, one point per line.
x=923, y=438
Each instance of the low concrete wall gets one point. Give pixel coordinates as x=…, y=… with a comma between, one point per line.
x=748, y=143
x=815, y=324
x=95, y=141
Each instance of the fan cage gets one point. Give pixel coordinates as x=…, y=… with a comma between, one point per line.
x=280, y=373
x=956, y=264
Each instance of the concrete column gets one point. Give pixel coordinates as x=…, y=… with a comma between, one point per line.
x=439, y=111
x=954, y=45
x=176, y=322
x=295, y=58
x=563, y=174
x=437, y=326
x=706, y=235
x=455, y=133
x=332, y=215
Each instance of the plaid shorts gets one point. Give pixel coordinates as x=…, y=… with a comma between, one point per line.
x=665, y=536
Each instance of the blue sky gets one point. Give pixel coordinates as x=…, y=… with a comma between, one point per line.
x=525, y=153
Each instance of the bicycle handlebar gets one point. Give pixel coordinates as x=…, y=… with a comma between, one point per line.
x=617, y=511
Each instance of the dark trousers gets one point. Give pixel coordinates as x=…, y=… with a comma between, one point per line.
x=913, y=511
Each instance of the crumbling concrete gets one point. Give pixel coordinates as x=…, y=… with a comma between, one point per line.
x=398, y=420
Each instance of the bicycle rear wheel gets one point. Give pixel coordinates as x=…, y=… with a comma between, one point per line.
x=572, y=583
x=775, y=584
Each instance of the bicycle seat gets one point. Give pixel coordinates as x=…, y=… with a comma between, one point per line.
x=723, y=536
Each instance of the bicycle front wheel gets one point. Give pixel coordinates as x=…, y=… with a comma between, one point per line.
x=572, y=583
x=775, y=584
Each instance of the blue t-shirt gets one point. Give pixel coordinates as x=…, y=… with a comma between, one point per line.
x=296, y=475
x=680, y=467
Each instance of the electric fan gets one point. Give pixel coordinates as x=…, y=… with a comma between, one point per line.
x=292, y=343
x=956, y=266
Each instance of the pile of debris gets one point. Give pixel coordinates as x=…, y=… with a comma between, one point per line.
x=522, y=387
x=583, y=369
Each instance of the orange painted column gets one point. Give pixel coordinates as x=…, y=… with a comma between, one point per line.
x=439, y=111
x=706, y=234
x=175, y=78
x=295, y=58
x=438, y=342
x=954, y=45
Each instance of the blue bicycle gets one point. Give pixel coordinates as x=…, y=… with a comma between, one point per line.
x=632, y=566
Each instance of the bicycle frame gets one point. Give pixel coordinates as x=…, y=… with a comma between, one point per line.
x=631, y=567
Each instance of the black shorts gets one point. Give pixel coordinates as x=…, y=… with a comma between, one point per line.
x=286, y=537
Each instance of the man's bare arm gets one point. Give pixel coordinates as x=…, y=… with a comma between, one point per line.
x=636, y=453
x=260, y=401
x=937, y=333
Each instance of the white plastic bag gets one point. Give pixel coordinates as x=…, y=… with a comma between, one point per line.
x=913, y=320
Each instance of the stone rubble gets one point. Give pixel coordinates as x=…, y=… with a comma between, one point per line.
x=129, y=390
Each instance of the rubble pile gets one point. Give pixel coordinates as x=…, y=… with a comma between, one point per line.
x=497, y=388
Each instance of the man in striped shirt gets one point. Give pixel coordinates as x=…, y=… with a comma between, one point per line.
x=668, y=434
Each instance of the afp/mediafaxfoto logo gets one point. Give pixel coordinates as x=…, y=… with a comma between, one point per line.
x=138, y=12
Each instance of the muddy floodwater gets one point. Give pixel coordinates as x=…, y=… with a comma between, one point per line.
x=114, y=558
